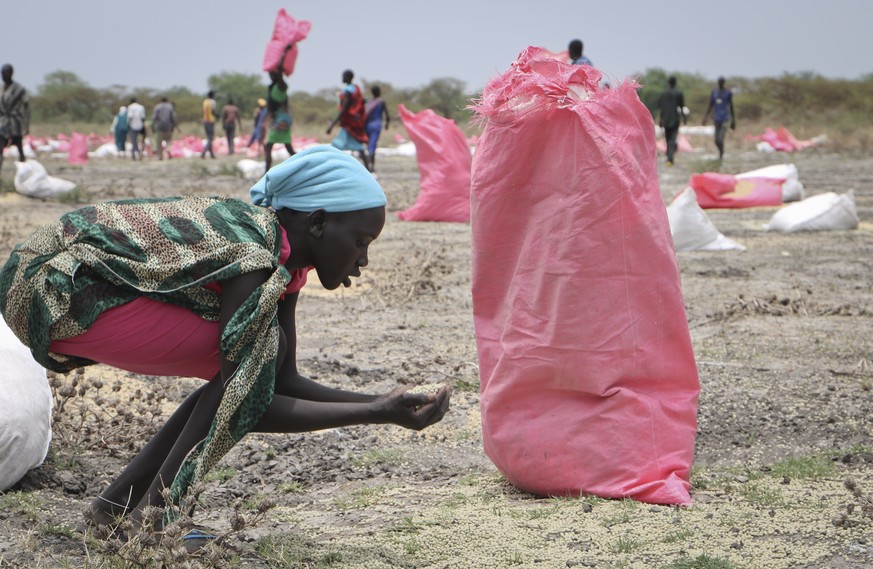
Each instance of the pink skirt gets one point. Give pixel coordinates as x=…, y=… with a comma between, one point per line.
x=150, y=337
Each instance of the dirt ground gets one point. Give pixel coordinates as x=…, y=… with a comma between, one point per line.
x=782, y=335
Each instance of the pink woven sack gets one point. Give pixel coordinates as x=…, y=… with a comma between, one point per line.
x=444, y=163
x=285, y=30
x=588, y=379
x=78, y=153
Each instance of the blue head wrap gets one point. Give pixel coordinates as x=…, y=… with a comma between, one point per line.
x=320, y=177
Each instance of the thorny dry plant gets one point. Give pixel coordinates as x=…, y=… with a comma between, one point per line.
x=857, y=510
x=797, y=303
x=140, y=545
x=89, y=415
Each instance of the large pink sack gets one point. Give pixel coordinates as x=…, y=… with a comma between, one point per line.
x=588, y=379
x=78, y=153
x=285, y=30
x=716, y=190
x=444, y=163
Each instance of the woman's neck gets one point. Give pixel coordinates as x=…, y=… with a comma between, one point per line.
x=295, y=224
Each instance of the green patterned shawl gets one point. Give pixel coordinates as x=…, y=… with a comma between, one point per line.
x=56, y=284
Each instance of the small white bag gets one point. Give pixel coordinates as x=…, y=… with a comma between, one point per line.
x=32, y=180
x=692, y=229
x=823, y=212
x=251, y=169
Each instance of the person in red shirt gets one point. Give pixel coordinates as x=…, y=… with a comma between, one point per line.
x=352, y=135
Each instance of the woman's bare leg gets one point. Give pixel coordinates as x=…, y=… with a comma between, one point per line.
x=169, y=458
x=268, y=156
x=131, y=485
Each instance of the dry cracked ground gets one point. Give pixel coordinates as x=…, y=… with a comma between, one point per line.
x=782, y=334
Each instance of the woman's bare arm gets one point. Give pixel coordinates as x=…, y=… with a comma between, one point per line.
x=289, y=381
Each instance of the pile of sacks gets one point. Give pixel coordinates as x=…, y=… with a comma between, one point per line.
x=781, y=140
x=692, y=230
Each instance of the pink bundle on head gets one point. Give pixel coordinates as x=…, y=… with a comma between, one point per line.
x=588, y=379
x=286, y=31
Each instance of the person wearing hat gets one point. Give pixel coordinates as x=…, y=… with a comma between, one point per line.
x=259, y=116
x=206, y=287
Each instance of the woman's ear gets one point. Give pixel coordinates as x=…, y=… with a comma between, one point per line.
x=316, y=222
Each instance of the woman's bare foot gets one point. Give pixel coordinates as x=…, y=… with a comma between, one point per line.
x=103, y=512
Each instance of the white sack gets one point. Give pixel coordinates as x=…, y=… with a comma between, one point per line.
x=404, y=149
x=25, y=410
x=824, y=212
x=105, y=150
x=692, y=229
x=792, y=188
x=251, y=169
x=32, y=180
x=12, y=151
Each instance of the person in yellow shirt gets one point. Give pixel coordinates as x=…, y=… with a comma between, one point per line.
x=209, y=123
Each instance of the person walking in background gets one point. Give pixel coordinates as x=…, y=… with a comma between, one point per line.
x=136, y=116
x=671, y=106
x=163, y=125
x=119, y=130
x=229, y=119
x=374, y=110
x=351, y=119
x=209, y=123
x=259, y=117
x=14, y=113
x=575, y=52
x=279, y=112
x=721, y=105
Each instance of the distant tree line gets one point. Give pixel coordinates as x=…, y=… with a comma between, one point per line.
x=63, y=97
x=793, y=100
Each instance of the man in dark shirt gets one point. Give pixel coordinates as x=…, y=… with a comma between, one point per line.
x=163, y=125
x=14, y=113
x=671, y=105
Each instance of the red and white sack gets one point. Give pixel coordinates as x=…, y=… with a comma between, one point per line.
x=792, y=188
x=715, y=190
x=444, y=163
x=286, y=30
x=588, y=379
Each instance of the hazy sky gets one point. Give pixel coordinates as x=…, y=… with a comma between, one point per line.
x=161, y=43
